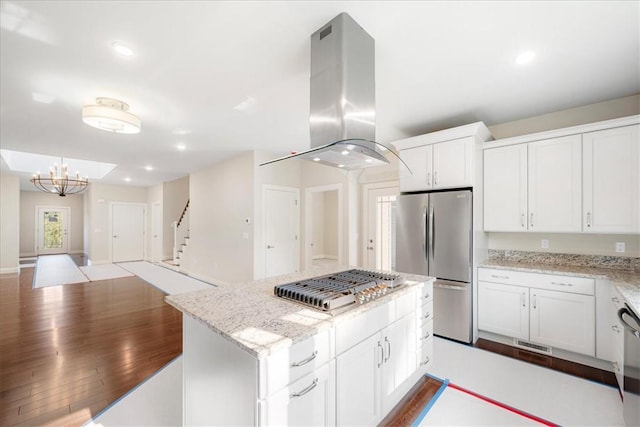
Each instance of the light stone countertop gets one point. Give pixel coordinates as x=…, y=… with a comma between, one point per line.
x=627, y=282
x=252, y=317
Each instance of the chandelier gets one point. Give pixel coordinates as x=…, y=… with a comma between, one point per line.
x=60, y=183
x=111, y=115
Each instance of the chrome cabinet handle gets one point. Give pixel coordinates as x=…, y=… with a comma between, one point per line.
x=428, y=315
x=615, y=328
x=426, y=296
x=522, y=221
x=531, y=220
x=270, y=247
x=388, y=350
x=615, y=300
x=305, y=361
x=561, y=284
x=523, y=299
x=426, y=361
x=534, y=301
x=426, y=337
x=495, y=276
x=306, y=390
x=435, y=178
x=428, y=179
x=381, y=354
x=588, y=219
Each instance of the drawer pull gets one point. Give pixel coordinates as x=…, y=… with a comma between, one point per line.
x=495, y=276
x=306, y=390
x=615, y=300
x=426, y=361
x=615, y=328
x=427, y=296
x=305, y=361
x=561, y=284
x=426, y=337
x=428, y=315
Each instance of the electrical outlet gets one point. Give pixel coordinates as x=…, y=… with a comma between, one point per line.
x=545, y=244
x=620, y=247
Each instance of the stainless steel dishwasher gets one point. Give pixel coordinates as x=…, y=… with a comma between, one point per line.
x=631, y=382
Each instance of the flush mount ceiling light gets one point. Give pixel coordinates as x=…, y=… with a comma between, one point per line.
x=122, y=49
x=525, y=57
x=110, y=115
x=60, y=183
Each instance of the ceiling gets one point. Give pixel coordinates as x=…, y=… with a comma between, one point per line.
x=438, y=65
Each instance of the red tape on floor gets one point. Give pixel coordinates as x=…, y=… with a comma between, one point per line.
x=507, y=407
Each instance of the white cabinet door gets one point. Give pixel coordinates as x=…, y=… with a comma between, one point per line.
x=612, y=181
x=563, y=320
x=503, y=309
x=310, y=401
x=555, y=184
x=505, y=188
x=399, y=345
x=452, y=165
x=420, y=161
x=358, y=383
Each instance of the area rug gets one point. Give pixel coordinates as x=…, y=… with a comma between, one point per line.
x=105, y=272
x=55, y=270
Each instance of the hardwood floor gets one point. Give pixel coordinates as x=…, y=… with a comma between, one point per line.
x=66, y=352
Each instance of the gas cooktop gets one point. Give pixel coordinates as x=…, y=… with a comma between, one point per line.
x=339, y=289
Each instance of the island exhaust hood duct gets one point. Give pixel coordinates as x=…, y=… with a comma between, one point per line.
x=343, y=117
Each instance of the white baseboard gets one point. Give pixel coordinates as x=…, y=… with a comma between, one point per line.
x=28, y=255
x=91, y=262
x=9, y=270
x=324, y=256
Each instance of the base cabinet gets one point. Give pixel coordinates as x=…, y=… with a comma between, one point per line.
x=609, y=331
x=519, y=307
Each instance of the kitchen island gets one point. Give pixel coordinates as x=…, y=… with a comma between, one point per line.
x=251, y=358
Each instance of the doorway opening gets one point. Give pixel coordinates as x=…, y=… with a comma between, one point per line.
x=379, y=250
x=323, y=226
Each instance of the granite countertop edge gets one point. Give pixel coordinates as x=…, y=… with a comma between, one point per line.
x=251, y=317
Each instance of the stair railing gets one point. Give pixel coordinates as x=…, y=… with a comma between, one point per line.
x=180, y=231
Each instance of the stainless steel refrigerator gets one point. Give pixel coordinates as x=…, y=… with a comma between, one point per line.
x=434, y=238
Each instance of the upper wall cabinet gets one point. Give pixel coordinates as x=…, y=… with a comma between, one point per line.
x=441, y=159
x=611, y=160
x=580, y=179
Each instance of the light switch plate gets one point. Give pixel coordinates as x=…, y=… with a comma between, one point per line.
x=620, y=247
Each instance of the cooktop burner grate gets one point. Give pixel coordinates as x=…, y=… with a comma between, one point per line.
x=339, y=289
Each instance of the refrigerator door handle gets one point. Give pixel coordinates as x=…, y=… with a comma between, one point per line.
x=431, y=232
x=424, y=231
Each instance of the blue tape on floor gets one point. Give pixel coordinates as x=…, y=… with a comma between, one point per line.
x=435, y=397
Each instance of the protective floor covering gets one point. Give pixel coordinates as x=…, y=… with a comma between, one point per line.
x=105, y=272
x=169, y=282
x=55, y=270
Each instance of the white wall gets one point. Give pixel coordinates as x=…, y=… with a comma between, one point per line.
x=222, y=197
x=100, y=196
x=317, y=226
x=154, y=195
x=585, y=244
x=9, y=223
x=28, y=202
x=175, y=196
x=330, y=225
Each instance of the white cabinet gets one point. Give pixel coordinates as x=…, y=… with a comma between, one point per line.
x=399, y=341
x=505, y=188
x=420, y=162
x=503, y=309
x=441, y=165
x=609, y=332
x=555, y=185
x=611, y=180
x=534, y=187
x=563, y=320
x=310, y=401
x=553, y=310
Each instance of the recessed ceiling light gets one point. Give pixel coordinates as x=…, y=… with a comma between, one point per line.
x=122, y=49
x=525, y=57
x=180, y=131
x=368, y=160
x=127, y=179
x=181, y=147
x=340, y=166
x=316, y=159
x=345, y=152
x=42, y=98
x=148, y=168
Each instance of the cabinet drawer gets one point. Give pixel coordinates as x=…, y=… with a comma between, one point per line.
x=425, y=312
x=425, y=355
x=292, y=363
x=350, y=332
x=426, y=292
x=552, y=282
x=425, y=332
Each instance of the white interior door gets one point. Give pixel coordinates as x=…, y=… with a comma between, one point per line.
x=127, y=226
x=156, y=230
x=380, y=243
x=281, y=219
x=53, y=230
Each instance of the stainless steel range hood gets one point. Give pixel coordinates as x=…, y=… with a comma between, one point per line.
x=342, y=120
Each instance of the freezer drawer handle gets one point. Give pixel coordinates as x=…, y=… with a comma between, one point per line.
x=305, y=361
x=306, y=390
x=453, y=288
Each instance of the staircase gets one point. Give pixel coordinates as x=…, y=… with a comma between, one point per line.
x=181, y=240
